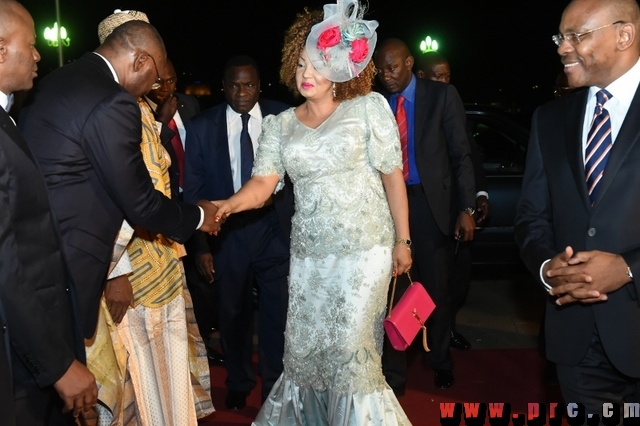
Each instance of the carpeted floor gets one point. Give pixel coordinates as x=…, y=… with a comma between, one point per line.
x=513, y=376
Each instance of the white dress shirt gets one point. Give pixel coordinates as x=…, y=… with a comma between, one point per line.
x=234, y=128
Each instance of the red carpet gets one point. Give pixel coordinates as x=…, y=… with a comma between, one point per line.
x=512, y=376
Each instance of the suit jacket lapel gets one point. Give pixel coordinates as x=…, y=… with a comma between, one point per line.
x=12, y=131
x=573, y=137
x=222, y=149
x=626, y=139
x=421, y=110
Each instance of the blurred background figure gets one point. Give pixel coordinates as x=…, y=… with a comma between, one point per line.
x=434, y=66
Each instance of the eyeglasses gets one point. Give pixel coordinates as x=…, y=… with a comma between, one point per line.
x=576, y=38
x=158, y=83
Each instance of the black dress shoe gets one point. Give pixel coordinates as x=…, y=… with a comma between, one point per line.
x=214, y=357
x=443, y=379
x=458, y=341
x=236, y=400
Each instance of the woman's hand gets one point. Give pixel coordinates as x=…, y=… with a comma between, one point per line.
x=224, y=209
x=401, y=259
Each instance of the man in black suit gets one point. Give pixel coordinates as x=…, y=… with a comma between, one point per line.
x=437, y=162
x=252, y=246
x=434, y=66
x=41, y=351
x=577, y=225
x=84, y=128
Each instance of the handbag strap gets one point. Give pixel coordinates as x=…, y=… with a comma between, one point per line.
x=393, y=292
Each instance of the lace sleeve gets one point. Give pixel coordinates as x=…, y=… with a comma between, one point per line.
x=383, y=141
x=268, y=159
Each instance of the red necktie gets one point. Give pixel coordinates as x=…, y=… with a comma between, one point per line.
x=176, y=142
x=401, y=118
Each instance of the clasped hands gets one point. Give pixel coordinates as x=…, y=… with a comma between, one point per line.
x=586, y=276
x=213, y=220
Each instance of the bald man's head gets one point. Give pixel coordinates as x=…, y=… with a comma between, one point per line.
x=606, y=45
x=18, y=53
x=394, y=62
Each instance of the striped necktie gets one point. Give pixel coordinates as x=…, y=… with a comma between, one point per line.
x=599, y=143
x=401, y=118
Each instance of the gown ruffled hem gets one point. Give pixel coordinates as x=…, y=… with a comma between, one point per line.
x=289, y=405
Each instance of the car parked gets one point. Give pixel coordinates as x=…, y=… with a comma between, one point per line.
x=503, y=144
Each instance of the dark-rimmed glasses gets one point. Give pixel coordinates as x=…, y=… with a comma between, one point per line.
x=576, y=38
x=158, y=83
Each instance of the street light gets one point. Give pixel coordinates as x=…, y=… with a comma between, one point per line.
x=428, y=45
x=55, y=37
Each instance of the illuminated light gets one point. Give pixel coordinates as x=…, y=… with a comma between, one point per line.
x=51, y=35
x=428, y=45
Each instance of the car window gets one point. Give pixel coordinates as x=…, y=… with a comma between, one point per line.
x=502, y=152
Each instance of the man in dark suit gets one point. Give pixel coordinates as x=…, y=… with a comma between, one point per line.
x=437, y=162
x=41, y=351
x=84, y=128
x=576, y=223
x=434, y=66
x=252, y=246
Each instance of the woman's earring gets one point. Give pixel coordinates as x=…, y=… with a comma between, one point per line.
x=334, y=90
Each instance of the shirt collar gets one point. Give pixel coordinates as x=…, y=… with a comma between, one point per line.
x=624, y=88
x=113, y=71
x=409, y=92
x=6, y=101
x=255, y=113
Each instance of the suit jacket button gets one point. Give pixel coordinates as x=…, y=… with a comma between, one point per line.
x=591, y=232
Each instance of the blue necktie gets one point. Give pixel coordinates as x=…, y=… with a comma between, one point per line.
x=246, y=150
x=599, y=145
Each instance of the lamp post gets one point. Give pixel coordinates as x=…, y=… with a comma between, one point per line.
x=57, y=37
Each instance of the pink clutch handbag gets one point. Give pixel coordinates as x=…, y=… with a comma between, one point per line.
x=408, y=316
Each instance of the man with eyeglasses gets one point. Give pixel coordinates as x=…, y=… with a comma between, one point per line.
x=576, y=222
x=84, y=127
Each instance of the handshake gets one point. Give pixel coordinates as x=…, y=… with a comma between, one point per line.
x=213, y=219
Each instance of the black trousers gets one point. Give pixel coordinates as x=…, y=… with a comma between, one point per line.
x=258, y=250
x=459, y=277
x=595, y=381
x=35, y=406
x=431, y=268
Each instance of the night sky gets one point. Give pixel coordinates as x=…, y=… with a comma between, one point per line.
x=499, y=50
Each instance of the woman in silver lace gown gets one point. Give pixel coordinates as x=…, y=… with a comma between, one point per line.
x=341, y=150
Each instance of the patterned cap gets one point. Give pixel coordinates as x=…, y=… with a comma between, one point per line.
x=118, y=18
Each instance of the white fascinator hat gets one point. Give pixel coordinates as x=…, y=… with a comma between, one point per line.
x=341, y=46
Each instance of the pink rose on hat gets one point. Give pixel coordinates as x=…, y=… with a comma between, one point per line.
x=329, y=38
x=359, y=50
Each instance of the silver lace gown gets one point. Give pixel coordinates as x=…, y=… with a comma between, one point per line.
x=341, y=244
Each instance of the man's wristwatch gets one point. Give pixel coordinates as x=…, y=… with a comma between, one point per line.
x=470, y=211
